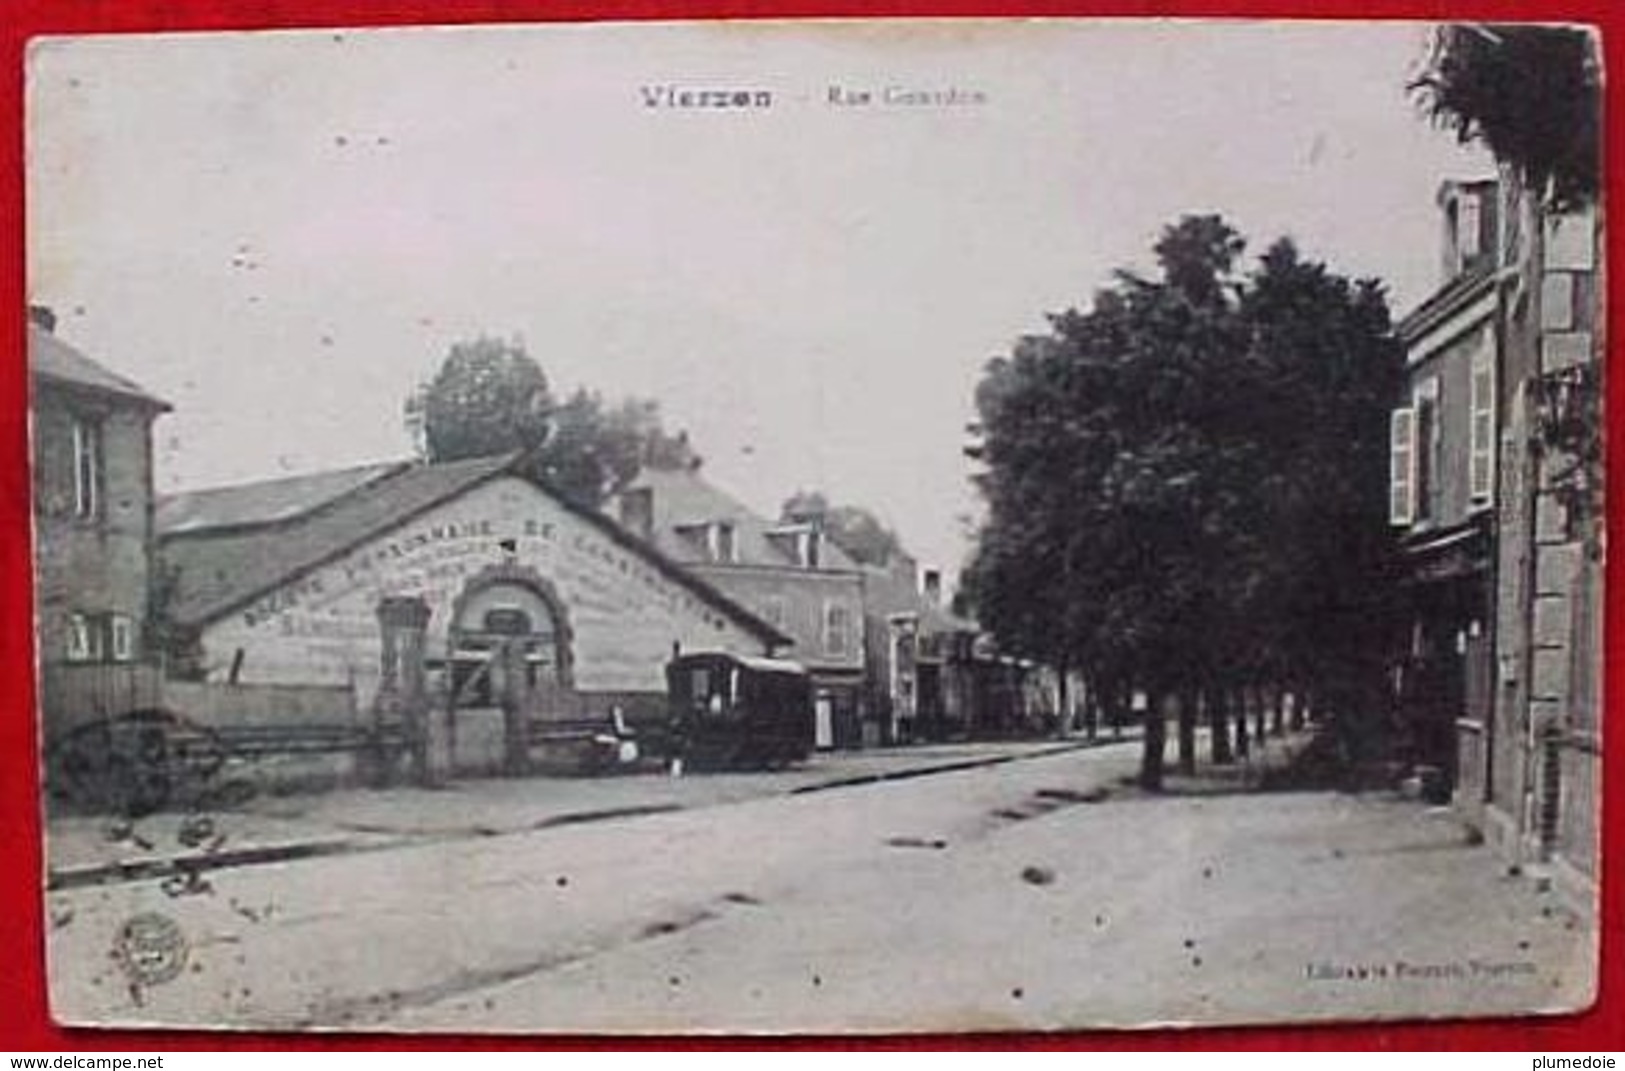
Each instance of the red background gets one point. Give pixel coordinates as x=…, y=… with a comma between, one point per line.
x=24, y=1021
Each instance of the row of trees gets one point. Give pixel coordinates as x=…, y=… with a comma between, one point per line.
x=1186, y=484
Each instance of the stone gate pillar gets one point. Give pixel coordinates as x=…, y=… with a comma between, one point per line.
x=403, y=621
x=511, y=682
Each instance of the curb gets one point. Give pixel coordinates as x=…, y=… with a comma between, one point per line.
x=950, y=767
x=189, y=868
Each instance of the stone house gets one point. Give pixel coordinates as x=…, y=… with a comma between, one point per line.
x=1498, y=508
x=93, y=527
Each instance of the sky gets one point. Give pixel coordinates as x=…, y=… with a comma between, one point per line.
x=283, y=233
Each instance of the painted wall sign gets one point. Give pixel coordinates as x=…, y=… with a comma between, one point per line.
x=625, y=613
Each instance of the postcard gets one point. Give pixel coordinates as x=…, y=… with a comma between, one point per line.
x=817, y=527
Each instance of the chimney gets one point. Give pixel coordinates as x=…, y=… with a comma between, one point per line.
x=638, y=511
x=42, y=317
x=931, y=586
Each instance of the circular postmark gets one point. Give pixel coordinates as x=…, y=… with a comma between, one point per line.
x=150, y=948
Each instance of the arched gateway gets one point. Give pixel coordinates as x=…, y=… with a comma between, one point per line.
x=502, y=602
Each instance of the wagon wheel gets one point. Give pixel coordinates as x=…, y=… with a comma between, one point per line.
x=138, y=777
x=114, y=768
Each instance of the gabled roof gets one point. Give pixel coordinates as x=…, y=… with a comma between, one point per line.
x=49, y=358
x=230, y=546
x=683, y=503
x=264, y=502
x=1443, y=303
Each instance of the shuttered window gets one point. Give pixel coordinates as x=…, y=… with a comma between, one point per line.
x=1481, y=474
x=837, y=630
x=79, y=633
x=1402, y=466
x=1427, y=452
x=87, y=468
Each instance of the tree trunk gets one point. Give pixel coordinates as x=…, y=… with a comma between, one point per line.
x=1063, y=699
x=1218, y=719
x=1187, y=731
x=1244, y=743
x=1156, y=735
x=1277, y=718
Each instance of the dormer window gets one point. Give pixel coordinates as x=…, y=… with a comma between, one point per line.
x=717, y=541
x=1469, y=226
x=803, y=544
x=720, y=543
x=809, y=542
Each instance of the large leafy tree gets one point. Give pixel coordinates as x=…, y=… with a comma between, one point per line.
x=1183, y=477
x=489, y=397
x=1531, y=94
x=596, y=448
x=1326, y=370
x=863, y=536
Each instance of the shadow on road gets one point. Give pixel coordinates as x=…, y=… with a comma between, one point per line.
x=1311, y=760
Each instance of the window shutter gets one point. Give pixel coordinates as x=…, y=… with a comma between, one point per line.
x=1472, y=228
x=78, y=638
x=86, y=463
x=97, y=628
x=1481, y=473
x=123, y=629
x=835, y=629
x=1402, y=466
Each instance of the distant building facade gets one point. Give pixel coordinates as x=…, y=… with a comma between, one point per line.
x=790, y=574
x=927, y=680
x=93, y=512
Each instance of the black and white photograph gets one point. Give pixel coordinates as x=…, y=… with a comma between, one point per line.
x=817, y=527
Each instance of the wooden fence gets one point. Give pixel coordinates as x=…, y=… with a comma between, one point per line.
x=226, y=706
x=72, y=696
